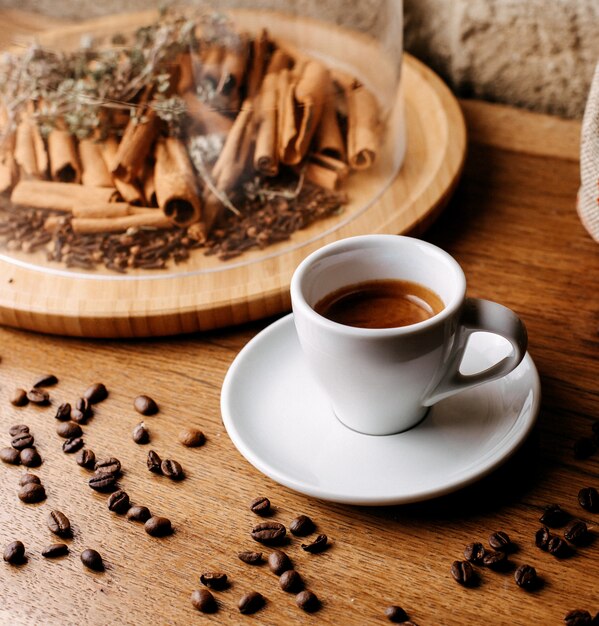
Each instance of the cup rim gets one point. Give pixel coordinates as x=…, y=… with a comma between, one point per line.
x=300, y=305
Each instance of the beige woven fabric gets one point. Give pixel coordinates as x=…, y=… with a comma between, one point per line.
x=588, y=196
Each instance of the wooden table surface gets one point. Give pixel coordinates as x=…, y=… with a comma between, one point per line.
x=513, y=227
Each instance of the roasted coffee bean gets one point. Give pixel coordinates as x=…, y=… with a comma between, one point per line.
x=279, y=562
x=72, y=445
x=10, y=455
x=307, y=601
x=38, y=396
x=578, y=617
x=260, y=506
x=32, y=493
x=118, y=502
x=577, y=532
x=251, y=602
x=192, y=438
x=92, y=559
x=18, y=429
x=22, y=440
x=301, y=526
x=318, y=545
x=86, y=458
x=291, y=581
x=83, y=406
x=55, y=550
x=526, y=577
x=558, y=547
x=542, y=537
x=27, y=479
x=154, y=462
x=30, y=457
x=14, y=553
x=500, y=541
x=103, y=482
x=172, y=469
x=251, y=558
x=59, y=523
x=269, y=533
x=63, y=412
x=203, y=601
x=19, y=397
x=584, y=448
x=495, y=560
x=588, y=498
x=139, y=514
x=108, y=466
x=396, y=614
x=158, y=526
x=554, y=516
x=95, y=393
x=214, y=580
x=68, y=430
x=141, y=434
x=463, y=573
x=145, y=405
x=45, y=381
x=78, y=417
x=474, y=552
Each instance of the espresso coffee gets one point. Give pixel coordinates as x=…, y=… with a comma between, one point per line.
x=388, y=303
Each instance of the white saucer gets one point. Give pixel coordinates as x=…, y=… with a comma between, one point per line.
x=280, y=420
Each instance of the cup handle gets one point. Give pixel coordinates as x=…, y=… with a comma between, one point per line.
x=486, y=316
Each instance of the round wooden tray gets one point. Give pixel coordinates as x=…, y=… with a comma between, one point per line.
x=48, y=299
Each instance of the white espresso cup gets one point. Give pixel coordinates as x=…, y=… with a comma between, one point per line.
x=382, y=381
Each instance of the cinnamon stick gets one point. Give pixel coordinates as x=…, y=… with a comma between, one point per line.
x=258, y=52
x=26, y=149
x=64, y=162
x=279, y=60
x=134, y=147
x=266, y=158
x=130, y=192
x=95, y=173
x=150, y=219
x=42, y=194
x=321, y=176
x=328, y=139
x=102, y=209
x=362, y=126
x=150, y=186
x=232, y=72
x=8, y=166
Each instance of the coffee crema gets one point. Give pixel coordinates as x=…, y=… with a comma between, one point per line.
x=387, y=303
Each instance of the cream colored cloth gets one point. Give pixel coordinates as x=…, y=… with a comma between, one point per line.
x=588, y=196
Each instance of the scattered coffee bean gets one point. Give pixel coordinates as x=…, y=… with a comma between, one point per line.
x=584, y=448
x=542, y=537
x=27, y=478
x=68, y=430
x=72, y=445
x=192, y=438
x=495, y=560
x=318, y=545
x=140, y=434
x=526, y=577
x=14, y=553
x=577, y=532
x=269, y=533
x=554, y=516
x=59, y=523
x=203, y=601
x=463, y=573
x=139, y=514
x=55, y=550
x=86, y=458
x=32, y=493
x=83, y=406
x=22, y=440
x=78, y=417
x=172, y=469
x=63, y=412
x=17, y=429
x=103, y=482
x=260, y=506
x=301, y=526
x=291, y=581
x=396, y=614
x=307, y=601
x=10, y=455
x=19, y=397
x=95, y=393
x=251, y=602
x=108, y=466
x=214, y=580
x=474, y=552
x=279, y=562
x=145, y=405
x=578, y=617
x=92, y=560
x=158, y=526
x=30, y=457
x=154, y=462
x=558, y=547
x=500, y=541
x=118, y=502
x=251, y=558
x=38, y=396
x=588, y=498
x=48, y=380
